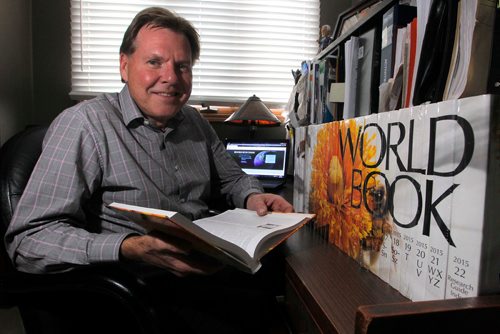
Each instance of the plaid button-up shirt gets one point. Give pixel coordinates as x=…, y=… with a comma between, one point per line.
x=102, y=151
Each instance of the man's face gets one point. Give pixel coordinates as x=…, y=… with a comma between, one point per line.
x=159, y=73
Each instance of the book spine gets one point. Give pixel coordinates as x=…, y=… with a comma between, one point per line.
x=300, y=167
x=472, y=259
x=351, y=76
x=405, y=193
x=396, y=259
x=394, y=244
x=311, y=140
x=412, y=49
x=416, y=243
x=368, y=69
x=374, y=255
x=314, y=95
x=394, y=18
x=381, y=218
x=489, y=282
x=324, y=86
x=439, y=190
x=386, y=54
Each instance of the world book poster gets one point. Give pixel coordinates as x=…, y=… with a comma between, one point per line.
x=412, y=195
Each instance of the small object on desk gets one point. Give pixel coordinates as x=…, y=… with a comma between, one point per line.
x=207, y=109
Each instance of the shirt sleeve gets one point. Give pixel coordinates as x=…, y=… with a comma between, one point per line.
x=50, y=230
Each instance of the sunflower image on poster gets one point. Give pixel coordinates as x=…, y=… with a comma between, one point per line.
x=342, y=196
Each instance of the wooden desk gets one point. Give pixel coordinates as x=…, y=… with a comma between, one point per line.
x=326, y=291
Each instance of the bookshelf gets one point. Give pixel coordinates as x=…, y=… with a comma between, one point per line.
x=327, y=290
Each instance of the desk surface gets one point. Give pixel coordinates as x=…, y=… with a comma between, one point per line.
x=332, y=285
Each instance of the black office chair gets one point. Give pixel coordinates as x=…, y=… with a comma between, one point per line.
x=109, y=298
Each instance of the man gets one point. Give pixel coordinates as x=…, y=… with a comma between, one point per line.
x=143, y=146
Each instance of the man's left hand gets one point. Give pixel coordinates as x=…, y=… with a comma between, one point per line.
x=262, y=203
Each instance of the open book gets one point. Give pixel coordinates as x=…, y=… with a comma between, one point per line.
x=236, y=237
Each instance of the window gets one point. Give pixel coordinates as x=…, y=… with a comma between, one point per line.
x=247, y=47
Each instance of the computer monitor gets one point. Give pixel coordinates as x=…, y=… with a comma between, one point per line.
x=267, y=160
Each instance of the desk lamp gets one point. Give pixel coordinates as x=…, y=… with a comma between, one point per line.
x=253, y=113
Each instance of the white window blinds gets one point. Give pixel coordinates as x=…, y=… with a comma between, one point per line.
x=247, y=47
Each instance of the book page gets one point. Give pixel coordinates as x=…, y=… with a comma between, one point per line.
x=246, y=229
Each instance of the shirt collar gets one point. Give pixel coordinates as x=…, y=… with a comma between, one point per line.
x=132, y=114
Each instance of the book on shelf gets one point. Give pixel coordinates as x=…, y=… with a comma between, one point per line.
x=368, y=69
x=423, y=10
x=337, y=83
x=469, y=72
x=311, y=136
x=494, y=75
x=398, y=16
x=316, y=103
x=411, y=195
x=351, y=51
x=410, y=55
x=436, y=52
x=299, y=157
x=474, y=261
x=376, y=245
x=324, y=108
x=390, y=92
x=237, y=237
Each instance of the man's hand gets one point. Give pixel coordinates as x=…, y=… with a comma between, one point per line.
x=262, y=203
x=171, y=252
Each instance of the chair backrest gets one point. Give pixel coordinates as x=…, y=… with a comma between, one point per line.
x=18, y=156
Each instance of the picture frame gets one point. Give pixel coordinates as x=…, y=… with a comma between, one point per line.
x=349, y=18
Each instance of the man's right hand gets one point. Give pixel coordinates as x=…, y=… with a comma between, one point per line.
x=170, y=252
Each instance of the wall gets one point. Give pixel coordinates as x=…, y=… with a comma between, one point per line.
x=330, y=10
x=51, y=58
x=35, y=63
x=16, y=96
